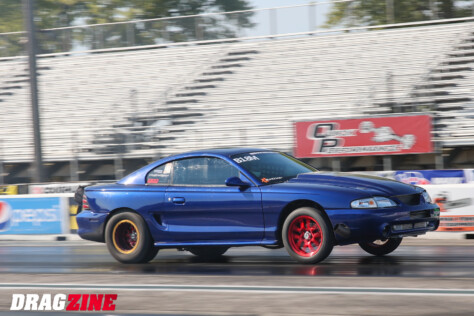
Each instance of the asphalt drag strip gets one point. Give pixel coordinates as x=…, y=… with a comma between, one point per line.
x=423, y=277
x=243, y=289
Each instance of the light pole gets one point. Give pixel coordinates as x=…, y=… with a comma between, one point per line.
x=31, y=46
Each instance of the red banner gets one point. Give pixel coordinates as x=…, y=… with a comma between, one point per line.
x=362, y=137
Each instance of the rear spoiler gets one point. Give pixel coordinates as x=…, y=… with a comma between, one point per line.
x=79, y=194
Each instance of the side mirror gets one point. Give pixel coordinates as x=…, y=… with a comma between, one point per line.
x=236, y=182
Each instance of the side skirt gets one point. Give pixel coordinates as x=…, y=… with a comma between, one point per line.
x=235, y=243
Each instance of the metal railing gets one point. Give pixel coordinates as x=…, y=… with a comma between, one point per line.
x=266, y=22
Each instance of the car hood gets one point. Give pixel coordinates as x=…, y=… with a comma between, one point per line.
x=371, y=184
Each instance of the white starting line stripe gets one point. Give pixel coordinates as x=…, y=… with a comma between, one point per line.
x=241, y=289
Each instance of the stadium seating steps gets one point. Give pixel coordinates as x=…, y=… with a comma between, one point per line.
x=162, y=101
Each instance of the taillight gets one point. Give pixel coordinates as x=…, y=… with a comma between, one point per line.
x=85, y=203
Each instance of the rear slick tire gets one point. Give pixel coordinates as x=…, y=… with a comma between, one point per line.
x=151, y=254
x=381, y=247
x=307, y=235
x=128, y=238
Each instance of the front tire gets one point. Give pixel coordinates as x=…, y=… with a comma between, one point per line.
x=381, y=247
x=151, y=254
x=209, y=252
x=307, y=235
x=128, y=238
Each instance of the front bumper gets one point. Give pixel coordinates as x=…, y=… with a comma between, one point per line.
x=359, y=225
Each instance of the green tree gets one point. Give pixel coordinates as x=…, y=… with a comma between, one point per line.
x=173, y=30
x=63, y=13
x=10, y=21
x=375, y=12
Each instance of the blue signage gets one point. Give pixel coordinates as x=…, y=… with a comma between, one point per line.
x=38, y=215
x=431, y=176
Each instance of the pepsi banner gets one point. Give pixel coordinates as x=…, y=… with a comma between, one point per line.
x=32, y=215
x=362, y=137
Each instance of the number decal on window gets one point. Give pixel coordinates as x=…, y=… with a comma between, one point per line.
x=245, y=159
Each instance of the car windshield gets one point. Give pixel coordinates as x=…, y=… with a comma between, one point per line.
x=272, y=167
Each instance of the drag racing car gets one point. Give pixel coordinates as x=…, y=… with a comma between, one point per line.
x=206, y=202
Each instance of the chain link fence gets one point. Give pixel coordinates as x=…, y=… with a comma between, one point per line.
x=197, y=28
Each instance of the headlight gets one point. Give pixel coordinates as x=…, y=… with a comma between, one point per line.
x=375, y=202
x=427, y=197
x=364, y=203
x=384, y=202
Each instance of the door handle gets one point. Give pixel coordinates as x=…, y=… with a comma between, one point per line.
x=178, y=200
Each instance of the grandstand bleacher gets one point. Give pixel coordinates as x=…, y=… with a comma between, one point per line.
x=161, y=101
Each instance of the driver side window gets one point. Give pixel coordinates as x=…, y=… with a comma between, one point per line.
x=204, y=171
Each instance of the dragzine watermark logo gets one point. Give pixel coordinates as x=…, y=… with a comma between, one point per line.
x=329, y=138
x=63, y=302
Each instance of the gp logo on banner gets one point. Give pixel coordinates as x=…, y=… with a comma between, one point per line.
x=360, y=137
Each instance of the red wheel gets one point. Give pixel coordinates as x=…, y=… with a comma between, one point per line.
x=307, y=235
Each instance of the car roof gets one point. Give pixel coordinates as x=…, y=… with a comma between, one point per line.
x=138, y=176
x=224, y=151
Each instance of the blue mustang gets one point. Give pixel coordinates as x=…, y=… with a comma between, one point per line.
x=208, y=201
